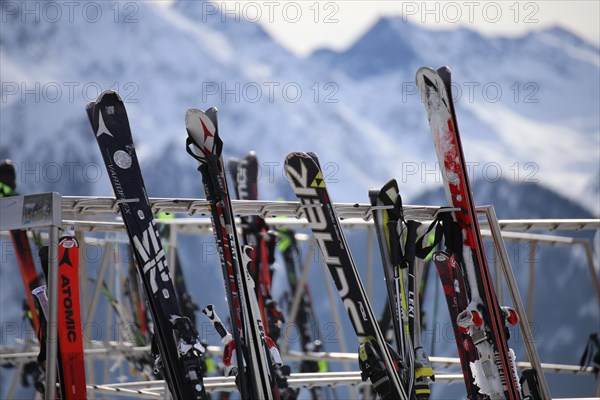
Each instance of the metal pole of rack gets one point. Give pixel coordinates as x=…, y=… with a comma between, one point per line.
x=52, y=331
x=513, y=290
x=594, y=274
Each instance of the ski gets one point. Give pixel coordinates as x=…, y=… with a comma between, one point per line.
x=175, y=337
x=20, y=242
x=495, y=371
x=255, y=233
x=41, y=296
x=375, y=355
x=257, y=380
x=388, y=217
x=70, y=330
x=397, y=240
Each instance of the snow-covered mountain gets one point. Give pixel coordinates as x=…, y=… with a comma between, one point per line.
x=527, y=109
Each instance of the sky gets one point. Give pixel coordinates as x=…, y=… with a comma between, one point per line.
x=305, y=25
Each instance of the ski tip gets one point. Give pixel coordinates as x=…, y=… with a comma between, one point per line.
x=444, y=71
x=295, y=154
x=303, y=157
x=211, y=113
x=109, y=95
x=373, y=194
x=89, y=110
x=422, y=72
x=208, y=118
x=196, y=121
x=314, y=156
x=390, y=193
x=232, y=163
x=192, y=113
x=391, y=184
x=250, y=157
x=426, y=77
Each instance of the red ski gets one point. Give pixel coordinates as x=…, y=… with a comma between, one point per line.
x=69, y=321
x=29, y=274
x=494, y=373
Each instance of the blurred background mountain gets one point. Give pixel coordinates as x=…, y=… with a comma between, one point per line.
x=527, y=108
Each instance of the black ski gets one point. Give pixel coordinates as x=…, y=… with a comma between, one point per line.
x=177, y=340
x=375, y=355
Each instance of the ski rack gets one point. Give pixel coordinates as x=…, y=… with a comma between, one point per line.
x=97, y=214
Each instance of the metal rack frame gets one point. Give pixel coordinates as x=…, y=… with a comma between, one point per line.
x=83, y=213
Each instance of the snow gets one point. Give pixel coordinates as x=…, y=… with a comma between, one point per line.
x=553, y=151
x=581, y=54
x=207, y=38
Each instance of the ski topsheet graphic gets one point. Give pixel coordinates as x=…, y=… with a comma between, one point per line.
x=494, y=372
x=376, y=359
x=69, y=321
x=178, y=343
